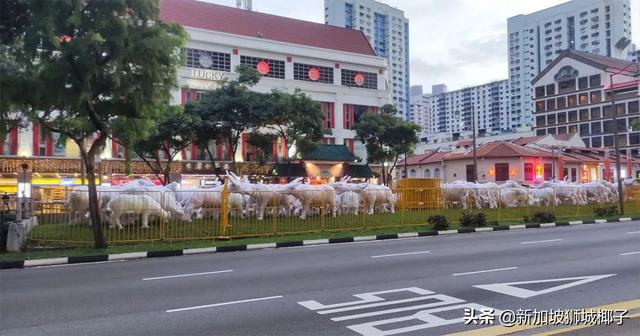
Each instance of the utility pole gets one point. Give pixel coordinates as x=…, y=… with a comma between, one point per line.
x=616, y=145
x=475, y=155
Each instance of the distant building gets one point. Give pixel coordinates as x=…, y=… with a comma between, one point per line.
x=600, y=27
x=387, y=30
x=573, y=95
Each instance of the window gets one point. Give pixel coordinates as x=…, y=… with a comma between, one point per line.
x=622, y=140
x=539, y=91
x=551, y=131
x=583, y=83
x=551, y=89
x=620, y=109
x=608, y=126
x=634, y=139
x=541, y=132
x=205, y=59
x=529, y=174
x=594, y=81
x=540, y=106
x=633, y=107
x=427, y=173
x=622, y=125
x=586, y=142
x=596, y=128
x=561, y=102
x=595, y=113
x=573, y=116
x=583, y=98
x=562, y=117
x=541, y=121
x=572, y=101
x=596, y=142
x=359, y=79
x=567, y=86
x=584, y=114
x=312, y=73
x=551, y=119
x=562, y=130
x=584, y=129
x=274, y=68
x=551, y=104
x=502, y=171
x=436, y=173
x=606, y=111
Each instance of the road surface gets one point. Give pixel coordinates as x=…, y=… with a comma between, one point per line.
x=415, y=286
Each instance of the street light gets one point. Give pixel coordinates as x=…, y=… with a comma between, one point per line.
x=615, y=129
x=475, y=155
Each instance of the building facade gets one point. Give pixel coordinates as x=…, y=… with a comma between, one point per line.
x=600, y=27
x=387, y=30
x=334, y=66
x=573, y=95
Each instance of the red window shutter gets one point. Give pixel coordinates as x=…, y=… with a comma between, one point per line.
x=49, y=145
x=284, y=148
x=36, y=139
x=194, y=95
x=194, y=152
x=243, y=145
x=274, y=152
x=114, y=148
x=184, y=96
x=332, y=113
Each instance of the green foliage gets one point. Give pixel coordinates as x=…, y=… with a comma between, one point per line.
x=544, y=217
x=387, y=136
x=636, y=125
x=263, y=142
x=438, y=222
x=85, y=64
x=473, y=219
x=606, y=211
x=296, y=118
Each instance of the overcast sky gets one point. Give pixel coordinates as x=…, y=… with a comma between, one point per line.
x=456, y=42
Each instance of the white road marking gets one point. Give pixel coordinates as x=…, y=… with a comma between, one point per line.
x=632, y=232
x=540, y=241
x=487, y=271
x=399, y=254
x=224, y=304
x=629, y=253
x=185, y=275
x=510, y=288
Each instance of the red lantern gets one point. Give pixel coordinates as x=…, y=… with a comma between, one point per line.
x=314, y=74
x=358, y=79
x=263, y=67
x=64, y=38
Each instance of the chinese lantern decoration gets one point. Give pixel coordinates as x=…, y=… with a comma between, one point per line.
x=64, y=38
x=314, y=74
x=492, y=172
x=358, y=79
x=263, y=67
x=514, y=171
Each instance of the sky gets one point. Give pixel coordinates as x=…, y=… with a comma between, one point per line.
x=456, y=42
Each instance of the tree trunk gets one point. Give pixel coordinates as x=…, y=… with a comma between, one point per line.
x=167, y=172
x=384, y=174
x=213, y=162
x=127, y=161
x=94, y=205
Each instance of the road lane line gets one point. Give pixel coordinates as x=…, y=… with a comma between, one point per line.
x=486, y=271
x=540, y=241
x=629, y=253
x=78, y=264
x=185, y=275
x=223, y=304
x=632, y=232
x=399, y=254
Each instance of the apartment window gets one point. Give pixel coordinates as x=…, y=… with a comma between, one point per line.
x=562, y=130
x=606, y=111
x=541, y=132
x=583, y=83
x=622, y=141
x=561, y=102
x=312, y=73
x=541, y=121
x=596, y=142
x=205, y=59
x=572, y=101
x=608, y=140
x=586, y=142
x=634, y=139
x=595, y=113
x=551, y=89
x=622, y=125
x=551, y=131
x=266, y=67
x=551, y=104
x=540, y=106
x=573, y=116
x=607, y=126
x=595, y=97
x=596, y=128
x=584, y=114
x=584, y=129
x=551, y=119
x=539, y=91
x=594, y=81
x=620, y=109
x=352, y=78
x=583, y=98
x=562, y=117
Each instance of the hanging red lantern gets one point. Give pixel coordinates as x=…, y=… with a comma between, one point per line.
x=314, y=74
x=358, y=79
x=263, y=67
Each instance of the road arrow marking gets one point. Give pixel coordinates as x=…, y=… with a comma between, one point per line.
x=510, y=288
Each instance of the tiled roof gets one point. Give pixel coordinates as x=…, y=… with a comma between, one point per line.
x=499, y=150
x=416, y=159
x=527, y=140
x=231, y=20
x=603, y=63
x=563, y=137
x=326, y=152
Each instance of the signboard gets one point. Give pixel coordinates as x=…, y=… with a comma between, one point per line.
x=204, y=79
x=358, y=79
x=314, y=74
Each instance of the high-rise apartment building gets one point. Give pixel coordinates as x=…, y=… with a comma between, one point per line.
x=387, y=30
x=600, y=27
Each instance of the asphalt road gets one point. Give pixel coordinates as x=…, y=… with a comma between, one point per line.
x=426, y=284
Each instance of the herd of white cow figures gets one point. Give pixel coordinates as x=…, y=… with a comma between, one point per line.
x=140, y=199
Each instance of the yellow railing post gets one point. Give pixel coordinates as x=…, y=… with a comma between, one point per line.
x=162, y=219
x=224, y=204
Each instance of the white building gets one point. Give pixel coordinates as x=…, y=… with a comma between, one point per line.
x=447, y=115
x=420, y=110
x=600, y=27
x=387, y=30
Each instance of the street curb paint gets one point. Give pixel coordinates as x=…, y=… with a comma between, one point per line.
x=236, y=248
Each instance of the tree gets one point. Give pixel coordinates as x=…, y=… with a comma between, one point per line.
x=230, y=110
x=636, y=125
x=263, y=142
x=297, y=119
x=386, y=137
x=86, y=63
x=172, y=133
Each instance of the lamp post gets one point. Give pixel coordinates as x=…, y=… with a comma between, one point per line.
x=616, y=145
x=24, y=193
x=473, y=134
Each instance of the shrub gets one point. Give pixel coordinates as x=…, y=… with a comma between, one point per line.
x=471, y=219
x=605, y=211
x=438, y=222
x=526, y=219
x=544, y=217
x=495, y=223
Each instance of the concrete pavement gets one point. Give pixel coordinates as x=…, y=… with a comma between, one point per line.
x=425, y=282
